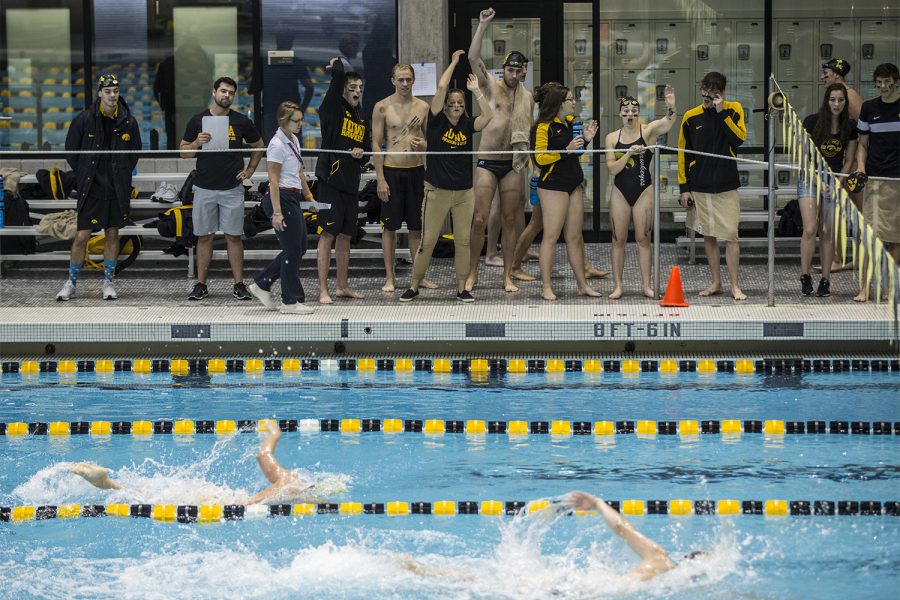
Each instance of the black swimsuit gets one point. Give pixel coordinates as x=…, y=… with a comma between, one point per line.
x=499, y=168
x=635, y=177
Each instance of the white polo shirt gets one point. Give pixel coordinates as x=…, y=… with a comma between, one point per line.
x=280, y=151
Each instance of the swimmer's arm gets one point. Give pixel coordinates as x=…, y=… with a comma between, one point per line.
x=615, y=165
x=646, y=549
x=485, y=81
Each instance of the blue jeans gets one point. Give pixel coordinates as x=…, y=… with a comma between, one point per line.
x=286, y=266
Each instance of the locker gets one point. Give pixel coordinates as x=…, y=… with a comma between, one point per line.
x=631, y=44
x=805, y=98
x=672, y=44
x=877, y=44
x=680, y=79
x=747, y=51
x=794, y=57
x=751, y=96
x=837, y=39
x=709, y=49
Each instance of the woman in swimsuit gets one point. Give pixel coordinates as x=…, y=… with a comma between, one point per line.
x=631, y=197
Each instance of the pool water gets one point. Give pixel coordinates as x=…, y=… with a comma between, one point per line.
x=537, y=555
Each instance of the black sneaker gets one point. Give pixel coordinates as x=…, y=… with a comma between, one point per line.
x=824, y=288
x=199, y=292
x=241, y=292
x=409, y=295
x=465, y=296
x=806, y=285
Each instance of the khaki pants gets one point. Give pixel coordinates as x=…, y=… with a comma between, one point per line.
x=881, y=209
x=435, y=207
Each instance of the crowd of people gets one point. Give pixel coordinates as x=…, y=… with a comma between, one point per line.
x=521, y=132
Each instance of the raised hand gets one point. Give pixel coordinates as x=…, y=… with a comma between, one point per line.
x=472, y=83
x=487, y=15
x=456, y=56
x=670, y=96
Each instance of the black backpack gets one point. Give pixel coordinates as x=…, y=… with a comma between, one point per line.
x=177, y=223
x=791, y=222
x=15, y=212
x=56, y=183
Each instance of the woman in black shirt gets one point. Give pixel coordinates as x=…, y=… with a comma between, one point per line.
x=834, y=134
x=448, y=177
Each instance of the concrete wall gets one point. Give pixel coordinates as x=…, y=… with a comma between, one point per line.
x=423, y=33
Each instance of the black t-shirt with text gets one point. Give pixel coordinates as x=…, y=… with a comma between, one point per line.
x=832, y=147
x=444, y=171
x=218, y=170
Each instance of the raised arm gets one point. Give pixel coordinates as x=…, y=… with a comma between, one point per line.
x=484, y=78
x=440, y=95
x=487, y=113
x=662, y=125
x=645, y=548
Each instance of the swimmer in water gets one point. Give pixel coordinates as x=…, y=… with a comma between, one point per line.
x=287, y=486
x=654, y=559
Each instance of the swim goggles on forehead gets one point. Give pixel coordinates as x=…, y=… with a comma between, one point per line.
x=628, y=101
x=107, y=80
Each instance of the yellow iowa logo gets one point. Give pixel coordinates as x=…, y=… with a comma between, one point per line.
x=126, y=137
x=231, y=135
x=352, y=130
x=455, y=138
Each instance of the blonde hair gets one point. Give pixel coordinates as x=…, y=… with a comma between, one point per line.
x=402, y=67
x=285, y=110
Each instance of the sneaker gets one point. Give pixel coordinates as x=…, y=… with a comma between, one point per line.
x=409, y=295
x=240, y=291
x=199, y=292
x=264, y=296
x=166, y=192
x=824, y=288
x=465, y=296
x=806, y=285
x=67, y=292
x=296, y=309
x=109, y=292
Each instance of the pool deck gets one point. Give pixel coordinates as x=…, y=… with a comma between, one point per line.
x=154, y=318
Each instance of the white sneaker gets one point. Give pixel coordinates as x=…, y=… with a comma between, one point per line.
x=67, y=292
x=109, y=292
x=166, y=192
x=296, y=309
x=263, y=296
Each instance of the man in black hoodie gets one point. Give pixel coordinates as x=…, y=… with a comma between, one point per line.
x=103, y=180
x=345, y=131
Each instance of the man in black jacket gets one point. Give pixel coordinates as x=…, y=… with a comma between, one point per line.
x=338, y=174
x=103, y=180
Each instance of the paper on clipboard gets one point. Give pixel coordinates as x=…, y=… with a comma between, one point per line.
x=426, y=79
x=217, y=128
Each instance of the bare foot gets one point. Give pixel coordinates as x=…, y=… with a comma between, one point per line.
x=737, y=294
x=589, y=291
x=861, y=297
x=530, y=256
x=648, y=291
x=324, y=298
x=616, y=294
x=522, y=275
x=592, y=273
x=388, y=286
x=547, y=294
x=712, y=290
x=493, y=261
x=428, y=285
x=836, y=266
x=347, y=292
x=471, y=282
x=509, y=286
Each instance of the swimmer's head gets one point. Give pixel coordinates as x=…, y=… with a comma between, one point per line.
x=353, y=88
x=629, y=109
x=695, y=554
x=515, y=66
x=403, y=77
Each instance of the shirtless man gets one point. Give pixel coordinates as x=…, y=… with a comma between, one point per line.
x=398, y=121
x=286, y=485
x=496, y=170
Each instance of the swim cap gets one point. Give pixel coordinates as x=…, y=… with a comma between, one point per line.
x=838, y=65
x=515, y=59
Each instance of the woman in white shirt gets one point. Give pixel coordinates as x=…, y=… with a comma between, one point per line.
x=282, y=204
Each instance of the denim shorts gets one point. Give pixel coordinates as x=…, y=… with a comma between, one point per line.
x=805, y=190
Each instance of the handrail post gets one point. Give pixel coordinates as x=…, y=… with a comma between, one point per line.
x=770, y=116
x=656, y=194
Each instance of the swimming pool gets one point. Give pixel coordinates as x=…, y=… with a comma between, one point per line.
x=465, y=555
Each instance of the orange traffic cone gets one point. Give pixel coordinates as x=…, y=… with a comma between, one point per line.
x=674, y=293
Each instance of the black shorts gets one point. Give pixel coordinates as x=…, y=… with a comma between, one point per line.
x=407, y=186
x=343, y=214
x=100, y=209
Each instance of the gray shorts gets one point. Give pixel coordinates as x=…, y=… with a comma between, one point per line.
x=218, y=210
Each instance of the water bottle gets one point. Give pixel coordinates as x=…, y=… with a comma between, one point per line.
x=534, y=194
x=577, y=130
x=2, y=202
